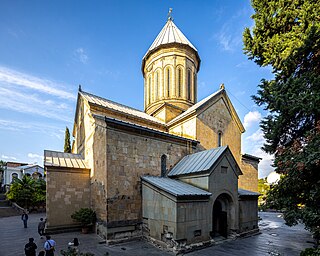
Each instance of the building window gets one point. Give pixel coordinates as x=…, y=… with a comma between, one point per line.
x=179, y=82
x=195, y=87
x=149, y=96
x=14, y=176
x=163, y=165
x=189, y=85
x=156, y=86
x=219, y=139
x=168, y=82
x=224, y=169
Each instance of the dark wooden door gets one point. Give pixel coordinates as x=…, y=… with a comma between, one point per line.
x=223, y=224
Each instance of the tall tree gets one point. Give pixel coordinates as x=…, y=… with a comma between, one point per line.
x=286, y=36
x=67, y=145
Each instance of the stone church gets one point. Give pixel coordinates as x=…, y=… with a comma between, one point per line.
x=174, y=172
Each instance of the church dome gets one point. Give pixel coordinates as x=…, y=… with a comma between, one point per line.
x=170, y=68
x=170, y=34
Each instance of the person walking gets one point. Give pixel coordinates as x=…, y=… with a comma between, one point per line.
x=49, y=246
x=24, y=218
x=30, y=248
x=41, y=227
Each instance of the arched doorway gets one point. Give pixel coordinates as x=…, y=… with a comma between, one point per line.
x=222, y=215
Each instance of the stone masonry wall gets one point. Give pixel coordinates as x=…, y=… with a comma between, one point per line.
x=68, y=190
x=249, y=181
x=130, y=156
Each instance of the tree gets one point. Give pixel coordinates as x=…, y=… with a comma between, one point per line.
x=27, y=192
x=21, y=191
x=2, y=167
x=286, y=36
x=67, y=145
x=263, y=188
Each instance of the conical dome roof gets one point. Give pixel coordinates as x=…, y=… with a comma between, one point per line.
x=169, y=34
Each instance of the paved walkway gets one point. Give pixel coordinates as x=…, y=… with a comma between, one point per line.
x=275, y=239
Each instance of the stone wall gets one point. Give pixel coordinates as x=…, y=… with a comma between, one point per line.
x=122, y=155
x=249, y=180
x=130, y=156
x=68, y=190
x=159, y=212
x=248, y=214
x=172, y=221
x=217, y=118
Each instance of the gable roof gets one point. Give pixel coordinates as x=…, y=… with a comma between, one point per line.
x=175, y=187
x=25, y=167
x=117, y=107
x=198, y=162
x=205, y=102
x=247, y=193
x=61, y=159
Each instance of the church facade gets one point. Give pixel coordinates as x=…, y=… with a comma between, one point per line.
x=174, y=172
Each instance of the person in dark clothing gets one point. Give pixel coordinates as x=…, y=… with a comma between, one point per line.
x=30, y=248
x=24, y=218
x=41, y=227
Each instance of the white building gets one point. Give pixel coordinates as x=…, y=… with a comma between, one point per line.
x=18, y=170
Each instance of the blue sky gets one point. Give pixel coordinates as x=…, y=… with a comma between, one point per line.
x=48, y=48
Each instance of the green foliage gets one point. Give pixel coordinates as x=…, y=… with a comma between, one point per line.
x=85, y=216
x=286, y=35
x=2, y=165
x=67, y=145
x=263, y=188
x=310, y=252
x=27, y=191
x=73, y=252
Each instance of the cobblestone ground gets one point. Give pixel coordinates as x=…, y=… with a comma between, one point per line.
x=275, y=239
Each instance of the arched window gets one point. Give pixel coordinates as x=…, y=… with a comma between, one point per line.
x=179, y=82
x=219, y=139
x=189, y=85
x=14, y=176
x=195, y=87
x=168, y=82
x=163, y=165
x=149, y=96
x=156, y=86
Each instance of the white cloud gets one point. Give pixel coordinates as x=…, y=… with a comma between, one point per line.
x=256, y=136
x=50, y=130
x=8, y=157
x=35, y=158
x=265, y=165
x=251, y=118
x=14, y=77
x=81, y=55
x=32, y=104
x=32, y=155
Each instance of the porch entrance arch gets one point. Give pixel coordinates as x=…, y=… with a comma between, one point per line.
x=223, y=215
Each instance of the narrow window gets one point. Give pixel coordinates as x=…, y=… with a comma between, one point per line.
x=157, y=86
x=224, y=169
x=179, y=82
x=149, y=99
x=219, y=139
x=189, y=85
x=168, y=82
x=163, y=165
x=195, y=87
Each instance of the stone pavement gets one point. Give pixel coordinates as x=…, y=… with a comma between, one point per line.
x=275, y=239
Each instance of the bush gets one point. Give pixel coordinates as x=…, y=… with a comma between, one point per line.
x=85, y=216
